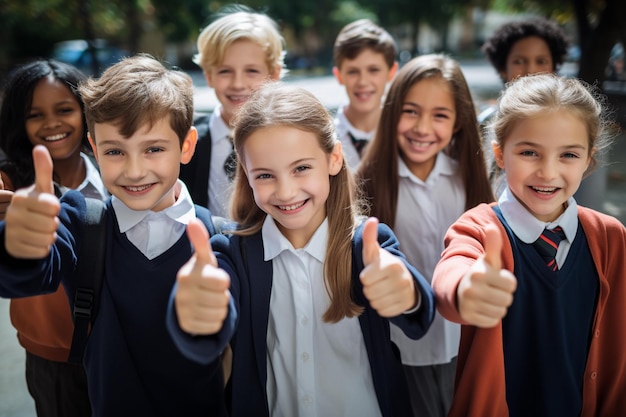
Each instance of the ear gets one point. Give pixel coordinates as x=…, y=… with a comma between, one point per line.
x=275, y=74
x=337, y=75
x=189, y=145
x=392, y=71
x=497, y=153
x=336, y=159
x=94, y=149
x=208, y=77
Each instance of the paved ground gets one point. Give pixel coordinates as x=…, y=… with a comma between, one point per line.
x=14, y=398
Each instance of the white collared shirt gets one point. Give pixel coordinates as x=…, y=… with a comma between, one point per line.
x=343, y=127
x=220, y=186
x=426, y=209
x=528, y=228
x=313, y=368
x=155, y=232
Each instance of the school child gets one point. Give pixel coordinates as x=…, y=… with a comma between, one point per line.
x=516, y=49
x=365, y=61
x=314, y=285
x=428, y=141
x=543, y=330
x=237, y=52
x=139, y=116
x=40, y=105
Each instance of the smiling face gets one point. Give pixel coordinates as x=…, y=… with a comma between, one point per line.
x=243, y=69
x=289, y=174
x=365, y=78
x=529, y=55
x=142, y=170
x=55, y=119
x=544, y=158
x=426, y=124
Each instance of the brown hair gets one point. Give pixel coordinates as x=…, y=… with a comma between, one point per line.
x=277, y=104
x=136, y=91
x=360, y=35
x=378, y=170
x=533, y=94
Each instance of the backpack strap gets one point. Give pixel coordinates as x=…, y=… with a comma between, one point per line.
x=89, y=275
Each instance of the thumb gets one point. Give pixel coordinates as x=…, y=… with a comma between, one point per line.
x=493, y=247
x=199, y=238
x=370, y=241
x=43, y=170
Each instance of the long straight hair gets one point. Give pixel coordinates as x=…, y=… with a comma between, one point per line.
x=276, y=104
x=378, y=170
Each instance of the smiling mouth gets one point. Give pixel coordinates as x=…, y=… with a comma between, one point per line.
x=55, y=138
x=238, y=98
x=292, y=206
x=545, y=190
x=139, y=188
x=419, y=144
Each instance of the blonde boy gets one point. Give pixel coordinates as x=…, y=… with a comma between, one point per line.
x=365, y=61
x=237, y=52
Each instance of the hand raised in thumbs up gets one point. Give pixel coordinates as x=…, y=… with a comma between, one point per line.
x=31, y=218
x=387, y=283
x=202, y=294
x=486, y=291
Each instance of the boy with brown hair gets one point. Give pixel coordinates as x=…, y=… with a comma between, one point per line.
x=365, y=61
x=238, y=52
x=139, y=116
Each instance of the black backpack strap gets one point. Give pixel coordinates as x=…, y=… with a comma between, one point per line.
x=89, y=275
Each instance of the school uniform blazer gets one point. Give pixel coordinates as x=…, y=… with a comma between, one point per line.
x=195, y=174
x=251, y=286
x=480, y=389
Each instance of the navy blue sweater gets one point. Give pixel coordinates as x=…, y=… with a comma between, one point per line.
x=251, y=286
x=132, y=365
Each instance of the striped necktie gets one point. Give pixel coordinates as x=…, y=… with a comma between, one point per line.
x=230, y=165
x=547, y=245
x=359, y=144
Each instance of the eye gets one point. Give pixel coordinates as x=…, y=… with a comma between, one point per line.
x=33, y=115
x=570, y=155
x=66, y=110
x=154, y=149
x=528, y=153
x=442, y=116
x=263, y=176
x=254, y=71
x=302, y=168
x=223, y=71
x=112, y=152
x=409, y=110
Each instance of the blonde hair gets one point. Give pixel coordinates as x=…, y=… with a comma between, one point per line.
x=235, y=24
x=536, y=94
x=277, y=104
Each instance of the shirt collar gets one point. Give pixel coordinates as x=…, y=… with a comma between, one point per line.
x=274, y=242
x=181, y=211
x=219, y=128
x=444, y=165
x=527, y=227
x=357, y=133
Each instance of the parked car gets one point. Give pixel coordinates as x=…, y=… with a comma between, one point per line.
x=78, y=53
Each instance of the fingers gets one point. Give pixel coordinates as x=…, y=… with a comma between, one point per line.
x=493, y=246
x=371, y=248
x=43, y=170
x=199, y=238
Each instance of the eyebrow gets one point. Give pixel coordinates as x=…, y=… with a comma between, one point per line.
x=440, y=108
x=149, y=142
x=291, y=165
x=540, y=145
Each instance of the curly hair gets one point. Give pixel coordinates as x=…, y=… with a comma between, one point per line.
x=499, y=45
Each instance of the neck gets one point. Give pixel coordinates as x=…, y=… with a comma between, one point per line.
x=364, y=121
x=70, y=172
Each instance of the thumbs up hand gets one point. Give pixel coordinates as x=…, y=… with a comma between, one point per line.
x=5, y=199
x=202, y=295
x=31, y=218
x=486, y=291
x=387, y=283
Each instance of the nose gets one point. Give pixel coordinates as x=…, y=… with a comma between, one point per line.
x=286, y=189
x=51, y=122
x=237, y=80
x=422, y=125
x=547, y=170
x=134, y=168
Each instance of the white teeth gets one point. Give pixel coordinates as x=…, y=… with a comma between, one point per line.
x=419, y=144
x=544, y=190
x=291, y=207
x=55, y=137
x=137, y=189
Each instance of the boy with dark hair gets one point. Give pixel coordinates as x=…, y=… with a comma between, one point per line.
x=139, y=116
x=365, y=61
